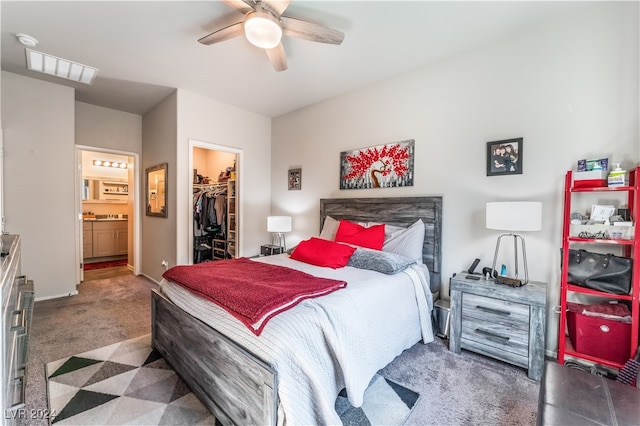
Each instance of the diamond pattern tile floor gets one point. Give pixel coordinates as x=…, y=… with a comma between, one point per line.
x=124, y=383
x=128, y=383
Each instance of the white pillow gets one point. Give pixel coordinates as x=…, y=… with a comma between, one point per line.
x=329, y=228
x=407, y=242
x=389, y=230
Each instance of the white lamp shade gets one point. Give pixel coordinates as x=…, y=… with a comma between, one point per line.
x=279, y=223
x=514, y=216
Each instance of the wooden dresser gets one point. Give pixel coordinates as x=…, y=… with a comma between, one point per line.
x=16, y=297
x=499, y=321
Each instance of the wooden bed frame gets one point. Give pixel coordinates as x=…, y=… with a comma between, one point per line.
x=236, y=386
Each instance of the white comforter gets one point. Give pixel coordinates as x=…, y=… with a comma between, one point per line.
x=328, y=343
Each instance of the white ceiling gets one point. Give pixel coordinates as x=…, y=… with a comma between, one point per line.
x=145, y=49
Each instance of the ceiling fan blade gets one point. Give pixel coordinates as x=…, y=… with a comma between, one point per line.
x=244, y=6
x=310, y=31
x=223, y=34
x=276, y=6
x=277, y=57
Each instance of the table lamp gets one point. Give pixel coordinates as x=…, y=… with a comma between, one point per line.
x=514, y=216
x=278, y=225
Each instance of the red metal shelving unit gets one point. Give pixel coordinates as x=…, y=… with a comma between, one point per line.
x=631, y=248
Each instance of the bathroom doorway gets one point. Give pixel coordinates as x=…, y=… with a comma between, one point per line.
x=108, y=213
x=215, y=208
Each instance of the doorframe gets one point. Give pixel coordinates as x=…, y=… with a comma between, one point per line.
x=193, y=143
x=137, y=218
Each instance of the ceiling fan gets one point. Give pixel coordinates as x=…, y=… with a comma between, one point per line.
x=264, y=25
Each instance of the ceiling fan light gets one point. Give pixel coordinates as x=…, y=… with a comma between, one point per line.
x=262, y=30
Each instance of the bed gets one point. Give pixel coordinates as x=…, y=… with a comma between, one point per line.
x=292, y=372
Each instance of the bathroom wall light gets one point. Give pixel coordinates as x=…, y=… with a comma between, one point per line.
x=112, y=164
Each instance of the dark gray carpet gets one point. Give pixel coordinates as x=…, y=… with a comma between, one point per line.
x=465, y=389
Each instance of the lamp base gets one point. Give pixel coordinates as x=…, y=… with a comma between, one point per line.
x=512, y=282
x=516, y=237
x=277, y=239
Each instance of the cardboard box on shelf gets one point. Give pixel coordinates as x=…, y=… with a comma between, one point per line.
x=618, y=179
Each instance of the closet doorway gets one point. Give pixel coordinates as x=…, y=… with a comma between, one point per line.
x=215, y=228
x=108, y=213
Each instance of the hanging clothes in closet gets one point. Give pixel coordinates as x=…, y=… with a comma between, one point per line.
x=209, y=220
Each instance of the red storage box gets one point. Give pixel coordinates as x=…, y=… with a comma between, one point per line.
x=590, y=179
x=599, y=337
x=590, y=183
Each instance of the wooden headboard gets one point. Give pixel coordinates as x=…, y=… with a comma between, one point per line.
x=399, y=211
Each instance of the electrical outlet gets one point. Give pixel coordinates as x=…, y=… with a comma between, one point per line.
x=164, y=264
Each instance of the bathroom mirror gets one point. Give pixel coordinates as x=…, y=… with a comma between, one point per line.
x=156, y=190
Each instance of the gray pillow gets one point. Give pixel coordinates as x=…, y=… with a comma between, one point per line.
x=380, y=261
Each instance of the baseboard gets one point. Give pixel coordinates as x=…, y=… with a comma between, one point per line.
x=150, y=279
x=73, y=293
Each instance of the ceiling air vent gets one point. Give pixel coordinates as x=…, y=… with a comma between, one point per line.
x=58, y=67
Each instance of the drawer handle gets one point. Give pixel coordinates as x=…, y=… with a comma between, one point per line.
x=24, y=299
x=494, y=311
x=21, y=323
x=22, y=394
x=490, y=334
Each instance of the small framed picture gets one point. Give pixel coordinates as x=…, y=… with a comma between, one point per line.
x=295, y=179
x=504, y=157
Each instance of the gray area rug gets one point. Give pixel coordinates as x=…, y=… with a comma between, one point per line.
x=129, y=383
x=465, y=389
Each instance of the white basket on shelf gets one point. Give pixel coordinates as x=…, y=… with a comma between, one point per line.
x=613, y=232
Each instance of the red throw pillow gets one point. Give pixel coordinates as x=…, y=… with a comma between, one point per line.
x=320, y=252
x=352, y=233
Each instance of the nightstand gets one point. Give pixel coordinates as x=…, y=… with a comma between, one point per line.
x=499, y=321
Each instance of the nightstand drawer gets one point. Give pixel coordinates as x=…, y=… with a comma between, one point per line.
x=496, y=327
x=497, y=340
x=486, y=309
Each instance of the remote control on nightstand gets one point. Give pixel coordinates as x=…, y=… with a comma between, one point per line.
x=472, y=268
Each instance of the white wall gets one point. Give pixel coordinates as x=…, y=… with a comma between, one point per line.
x=159, y=135
x=205, y=120
x=112, y=130
x=568, y=87
x=108, y=128
x=39, y=165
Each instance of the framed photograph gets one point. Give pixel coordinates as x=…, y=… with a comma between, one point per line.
x=295, y=179
x=504, y=157
x=381, y=166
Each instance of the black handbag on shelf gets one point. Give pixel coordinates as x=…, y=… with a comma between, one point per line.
x=602, y=272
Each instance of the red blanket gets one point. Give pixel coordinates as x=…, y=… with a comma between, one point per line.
x=253, y=292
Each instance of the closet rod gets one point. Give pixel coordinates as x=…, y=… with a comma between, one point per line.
x=209, y=185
